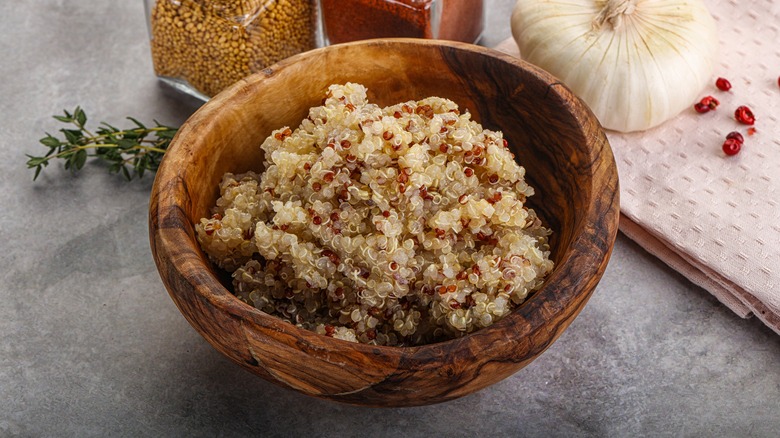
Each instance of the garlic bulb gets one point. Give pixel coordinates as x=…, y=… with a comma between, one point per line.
x=636, y=63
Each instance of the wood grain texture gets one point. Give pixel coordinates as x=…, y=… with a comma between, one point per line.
x=557, y=139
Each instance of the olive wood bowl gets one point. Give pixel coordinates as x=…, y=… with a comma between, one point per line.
x=553, y=134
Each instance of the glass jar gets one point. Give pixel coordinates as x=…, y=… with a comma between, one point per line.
x=350, y=20
x=202, y=46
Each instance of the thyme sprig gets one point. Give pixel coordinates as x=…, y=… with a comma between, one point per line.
x=131, y=151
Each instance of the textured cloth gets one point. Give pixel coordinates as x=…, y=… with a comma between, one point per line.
x=714, y=218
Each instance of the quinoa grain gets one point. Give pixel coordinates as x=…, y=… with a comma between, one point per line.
x=345, y=249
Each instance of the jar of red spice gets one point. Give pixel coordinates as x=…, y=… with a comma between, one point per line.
x=350, y=20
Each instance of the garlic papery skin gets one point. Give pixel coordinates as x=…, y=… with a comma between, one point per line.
x=635, y=63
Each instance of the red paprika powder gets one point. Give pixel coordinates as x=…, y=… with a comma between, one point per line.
x=351, y=20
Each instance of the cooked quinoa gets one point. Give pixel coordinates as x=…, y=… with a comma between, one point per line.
x=402, y=225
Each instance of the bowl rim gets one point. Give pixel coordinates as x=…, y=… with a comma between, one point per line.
x=543, y=303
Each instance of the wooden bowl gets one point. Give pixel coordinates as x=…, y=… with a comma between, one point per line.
x=555, y=136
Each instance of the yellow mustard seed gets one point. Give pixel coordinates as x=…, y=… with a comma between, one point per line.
x=211, y=44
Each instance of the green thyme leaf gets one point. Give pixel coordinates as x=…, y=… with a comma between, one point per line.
x=50, y=141
x=72, y=135
x=80, y=158
x=80, y=116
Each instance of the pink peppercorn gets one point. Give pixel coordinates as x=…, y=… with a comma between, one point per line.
x=736, y=135
x=731, y=146
x=706, y=104
x=723, y=84
x=744, y=115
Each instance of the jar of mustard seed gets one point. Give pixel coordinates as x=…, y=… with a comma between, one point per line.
x=350, y=20
x=203, y=46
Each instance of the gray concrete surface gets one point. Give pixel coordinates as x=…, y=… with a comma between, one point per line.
x=91, y=345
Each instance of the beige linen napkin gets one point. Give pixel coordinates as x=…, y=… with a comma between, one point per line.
x=713, y=218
